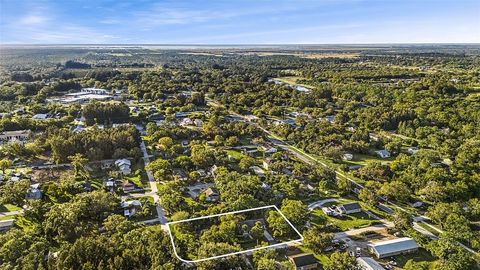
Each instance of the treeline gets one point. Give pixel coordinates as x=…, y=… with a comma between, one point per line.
x=95, y=143
x=83, y=231
x=105, y=113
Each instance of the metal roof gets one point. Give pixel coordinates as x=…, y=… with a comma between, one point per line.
x=395, y=245
x=368, y=263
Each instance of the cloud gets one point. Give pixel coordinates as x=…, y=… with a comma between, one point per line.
x=33, y=20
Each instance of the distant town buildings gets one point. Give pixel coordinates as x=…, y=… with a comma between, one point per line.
x=20, y=136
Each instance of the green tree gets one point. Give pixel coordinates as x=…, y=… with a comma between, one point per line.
x=296, y=211
x=316, y=240
x=402, y=220
x=340, y=261
x=5, y=164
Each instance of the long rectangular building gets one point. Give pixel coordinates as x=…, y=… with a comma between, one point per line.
x=393, y=247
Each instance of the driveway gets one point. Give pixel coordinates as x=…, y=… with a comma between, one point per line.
x=321, y=203
x=153, y=186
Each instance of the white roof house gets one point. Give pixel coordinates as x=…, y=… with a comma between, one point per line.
x=40, y=116
x=368, y=263
x=257, y=170
x=383, y=153
x=393, y=247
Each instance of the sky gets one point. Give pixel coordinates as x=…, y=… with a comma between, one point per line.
x=238, y=21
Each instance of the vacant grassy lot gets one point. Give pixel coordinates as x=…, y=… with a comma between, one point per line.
x=346, y=222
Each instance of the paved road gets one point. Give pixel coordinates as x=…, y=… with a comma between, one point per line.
x=321, y=203
x=309, y=159
x=153, y=186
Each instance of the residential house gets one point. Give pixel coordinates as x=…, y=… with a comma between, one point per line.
x=393, y=247
x=368, y=263
x=266, y=162
x=349, y=208
x=412, y=150
x=330, y=119
x=271, y=150
x=97, y=91
x=110, y=184
x=303, y=261
x=287, y=171
x=347, y=156
x=20, y=136
x=181, y=114
x=417, y=204
x=202, y=173
x=374, y=137
x=124, y=166
x=383, y=153
x=34, y=192
x=180, y=174
x=186, y=122
x=130, y=208
x=128, y=187
x=258, y=171
x=198, y=122
x=40, y=116
x=212, y=195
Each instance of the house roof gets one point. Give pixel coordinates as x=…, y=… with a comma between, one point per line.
x=382, y=152
x=135, y=203
x=123, y=162
x=395, y=245
x=6, y=223
x=303, y=259
x=16, y=132
x=211, y=191
x=351, y=206
x=369, y=263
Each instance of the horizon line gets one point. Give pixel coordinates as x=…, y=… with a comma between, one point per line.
x=238, y=44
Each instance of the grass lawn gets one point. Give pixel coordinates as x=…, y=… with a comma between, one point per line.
x=237, y=155
x=293, y=81
x=428, y=228
x=421, y=255
x=7, y=217
x=346, y=222
x=138, y=181
x=9, y=208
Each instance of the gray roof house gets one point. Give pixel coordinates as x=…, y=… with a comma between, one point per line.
x=34, y=192
x=383, y=153
x=368, y=263
x=349, y=208
x=393, y=247
x=304, y=261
